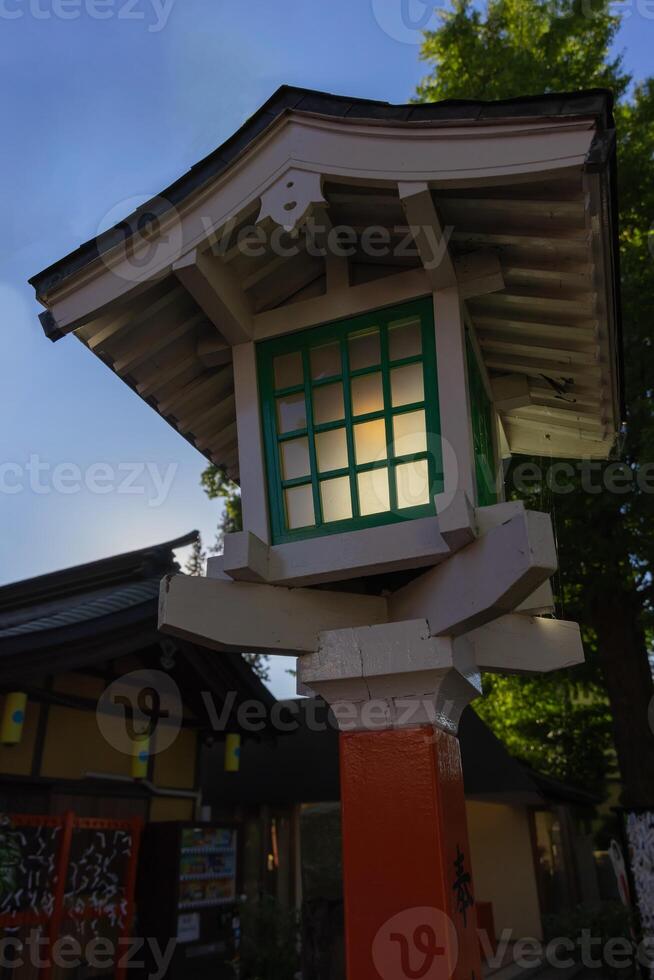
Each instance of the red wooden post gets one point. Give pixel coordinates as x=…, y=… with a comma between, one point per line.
x=408, y=892
x=56, y=919
x=136, y=829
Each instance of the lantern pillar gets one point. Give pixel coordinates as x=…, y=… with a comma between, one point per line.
x=409, y=895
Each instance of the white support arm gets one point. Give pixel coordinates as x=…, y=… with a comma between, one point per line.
x=520, y=644
x=487, y=579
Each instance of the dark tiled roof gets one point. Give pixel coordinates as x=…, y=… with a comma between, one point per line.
x=44, y=591
x=95, y=607
x=81, y=611
x=597, y=103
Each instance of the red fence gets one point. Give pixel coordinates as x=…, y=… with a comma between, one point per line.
x=69, y=871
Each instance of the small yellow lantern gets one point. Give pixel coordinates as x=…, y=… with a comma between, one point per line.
x=233, y=753
x=140, y=757
x=13, y=718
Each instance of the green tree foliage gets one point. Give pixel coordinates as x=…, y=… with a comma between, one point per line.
x=218, y=486
x=521, y=47
x=605, y=536
x=196, y=561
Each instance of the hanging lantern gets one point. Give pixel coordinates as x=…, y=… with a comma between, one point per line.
x=13, y=718
x=233, y=753
x=140, y=757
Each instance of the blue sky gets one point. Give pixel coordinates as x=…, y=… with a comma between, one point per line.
x=103, y=103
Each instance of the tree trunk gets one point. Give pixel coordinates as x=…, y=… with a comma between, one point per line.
x=625, y=664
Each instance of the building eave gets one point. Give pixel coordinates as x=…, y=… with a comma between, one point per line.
x=597, y=103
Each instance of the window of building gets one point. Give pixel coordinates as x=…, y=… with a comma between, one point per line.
x=351, y=423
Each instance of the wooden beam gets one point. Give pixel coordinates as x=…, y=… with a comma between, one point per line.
x=595, y=431
x=214, y=351
x=478, y=273
x=510, y=391
x=159, y=377
x=585, y=375
x=543, y=209
x=567, y=241
x=539, y=603
x=580, y=304
x=519, y=644
x=219, y=439
x=217, y=415
x=428, y=234
x=151, y=342
x=545, y=354
x=216, y=292
x=506, y=327
x=237, y=616
x=487, y=579
x=141, y=308
x=560, y=279
x=212, y=385
x=342, y=302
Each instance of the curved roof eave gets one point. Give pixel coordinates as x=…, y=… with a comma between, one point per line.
x=597, y=103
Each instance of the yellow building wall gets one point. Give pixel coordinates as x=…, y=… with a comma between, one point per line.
x=503, y=866
x=74, y=746
x=176, y=765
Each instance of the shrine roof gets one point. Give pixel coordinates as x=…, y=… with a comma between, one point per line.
x=597, y=103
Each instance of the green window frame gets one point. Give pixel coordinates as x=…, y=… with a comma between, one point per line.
x=481, y=412
x=307, y=447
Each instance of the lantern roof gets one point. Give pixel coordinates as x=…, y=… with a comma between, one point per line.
x=519, y=193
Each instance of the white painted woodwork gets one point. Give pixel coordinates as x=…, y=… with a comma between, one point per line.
x=430, y=237
x=211, y=386
x=214, y=290
x=486, y=579
x=539, y=603
x=290, y=196
x=236, y=616
x=342, y=302
x=478, y=273
x=337, y=557
x=487, y=518
x=453, y=395
x=519, y=644
x=214, y=351
x=158, y=377
x=456, y=519
x=529, y=252
x=252, y=466
x=391, y=676
x=510, y=391
x=157, y=339
x=439, y=155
